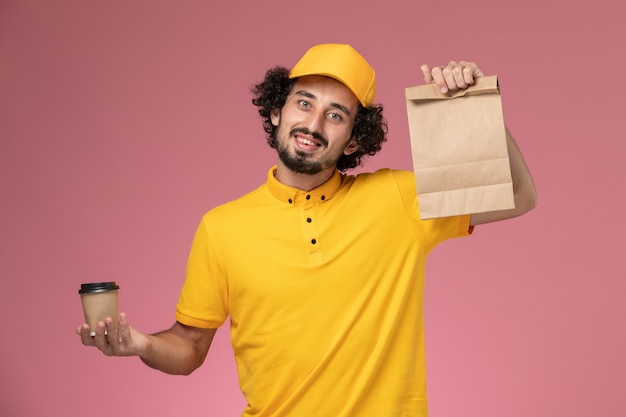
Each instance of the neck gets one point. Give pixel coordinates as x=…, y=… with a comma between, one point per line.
x=303, y=182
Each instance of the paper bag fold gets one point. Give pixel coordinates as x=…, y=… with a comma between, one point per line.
x=459, y=150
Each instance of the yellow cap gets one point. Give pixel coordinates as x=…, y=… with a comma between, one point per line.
x=343, y=63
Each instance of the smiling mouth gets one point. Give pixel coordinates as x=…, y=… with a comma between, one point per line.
x=305, y=137
x=307, y=142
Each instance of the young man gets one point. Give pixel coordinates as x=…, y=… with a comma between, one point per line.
x=320, y=273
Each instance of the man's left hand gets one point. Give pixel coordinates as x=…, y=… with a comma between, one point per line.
x=454, y=76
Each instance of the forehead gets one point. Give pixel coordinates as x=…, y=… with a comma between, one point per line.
x=326, y=88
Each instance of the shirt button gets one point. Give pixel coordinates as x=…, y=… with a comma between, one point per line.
x=308, y=196
x=290, y=201
x=323, y=197
x=308, y=220
x=313, y=241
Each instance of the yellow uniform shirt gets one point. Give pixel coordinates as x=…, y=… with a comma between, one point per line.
x=324, y=293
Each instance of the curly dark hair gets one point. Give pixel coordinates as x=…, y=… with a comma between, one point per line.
x=370, y=126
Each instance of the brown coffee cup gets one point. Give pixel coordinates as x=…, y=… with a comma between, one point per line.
x=99, y=302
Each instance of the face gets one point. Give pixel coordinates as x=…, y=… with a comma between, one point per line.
x=315, y=125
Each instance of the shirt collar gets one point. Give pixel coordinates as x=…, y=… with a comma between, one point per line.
x=292, y=195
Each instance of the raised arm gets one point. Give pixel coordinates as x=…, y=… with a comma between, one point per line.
x=524, y=192
x=179, y=350
x=459, y=75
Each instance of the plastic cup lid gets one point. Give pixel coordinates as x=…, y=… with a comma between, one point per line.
x=98, y=287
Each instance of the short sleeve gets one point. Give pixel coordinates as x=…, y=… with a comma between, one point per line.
x=203, y=301
x=433, y=231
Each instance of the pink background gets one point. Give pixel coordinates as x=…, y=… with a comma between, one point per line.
x=122, y=122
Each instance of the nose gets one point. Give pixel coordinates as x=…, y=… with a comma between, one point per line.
x=315, y=121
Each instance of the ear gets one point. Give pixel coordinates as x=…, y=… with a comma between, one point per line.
x=275, y=116
x=351, y=148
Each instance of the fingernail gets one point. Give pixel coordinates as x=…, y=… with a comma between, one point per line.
x=444, y=90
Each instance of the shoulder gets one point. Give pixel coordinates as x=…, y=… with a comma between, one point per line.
x=402, y=181
x=385, y=187
x=238, y=206
x=386, y=175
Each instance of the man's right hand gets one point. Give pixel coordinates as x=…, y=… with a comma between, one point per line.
x=125, y=341
x=178, y=350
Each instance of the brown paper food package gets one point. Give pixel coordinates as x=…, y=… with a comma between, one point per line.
x=459, y=150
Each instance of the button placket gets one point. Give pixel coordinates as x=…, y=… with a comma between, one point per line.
x=311, y=233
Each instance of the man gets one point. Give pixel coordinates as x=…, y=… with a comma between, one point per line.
x=320, y=273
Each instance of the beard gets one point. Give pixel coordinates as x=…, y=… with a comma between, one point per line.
x=298, y=161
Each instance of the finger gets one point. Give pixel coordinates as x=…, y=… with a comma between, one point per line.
x=428, y=78
x=471, y=72
x=458, y=72
x=85, y=335
x=467, y=72
x=100, y=339
x=124, y=330
x=111, y=335
x=439, y=80
x=449, y=76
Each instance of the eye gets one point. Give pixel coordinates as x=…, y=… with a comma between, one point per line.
x=304, y=103
x=335, y=116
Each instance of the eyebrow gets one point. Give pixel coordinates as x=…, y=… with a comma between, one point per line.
x=335, y=105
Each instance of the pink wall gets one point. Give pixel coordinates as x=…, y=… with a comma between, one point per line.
x=120, y=122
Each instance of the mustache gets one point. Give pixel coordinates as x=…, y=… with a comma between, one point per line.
x=316, y=135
